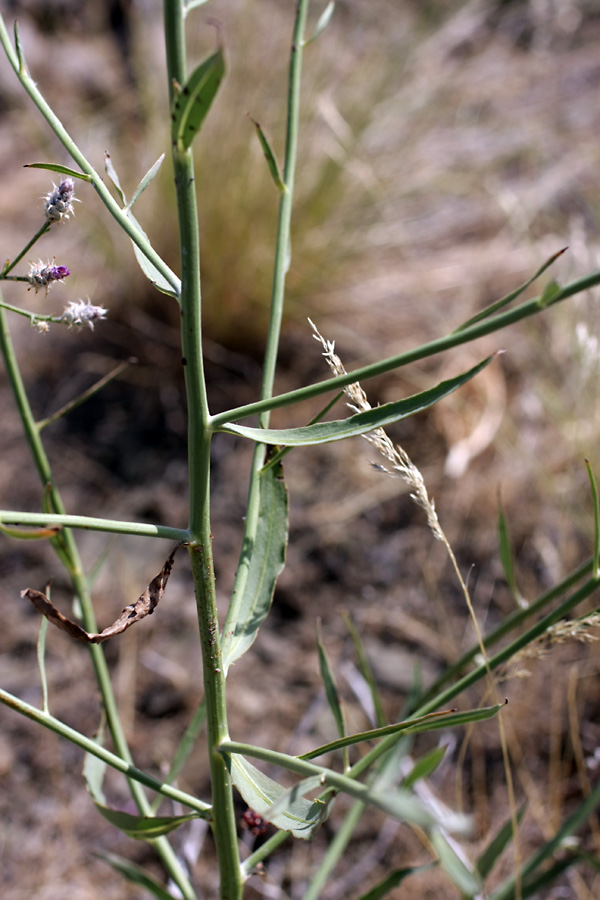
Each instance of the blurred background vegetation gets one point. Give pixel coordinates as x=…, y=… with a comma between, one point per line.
x=447, y=149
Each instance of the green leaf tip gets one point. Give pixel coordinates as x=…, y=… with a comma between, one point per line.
x=192, y=101
x=269, y=156
x=361, y=423
x=62, y=170
x=323, y=22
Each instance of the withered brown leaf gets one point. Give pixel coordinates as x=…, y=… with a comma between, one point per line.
x=144, y=606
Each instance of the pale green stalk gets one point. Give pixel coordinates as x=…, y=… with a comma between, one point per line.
x=18, y=63
x=223, y=822
x=90, y=746
x=44, y=228
x=91, y=523
x=439, y=345
x=282, y=253
x=70, y=555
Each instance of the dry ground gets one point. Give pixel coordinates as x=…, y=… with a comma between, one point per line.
x=448, y=150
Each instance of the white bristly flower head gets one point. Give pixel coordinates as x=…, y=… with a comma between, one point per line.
x=42, y=275
x=82, y=312
x=58, y=203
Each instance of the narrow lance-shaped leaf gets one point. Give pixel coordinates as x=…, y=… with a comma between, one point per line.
x=41, y=658
x=467, y=880
x=497, y=845
x=192, y=101
x=391, y=881
x=261, y=793
x=146, y=180
x=361, y=423
x=331, y=691
x=323, y=22
x=112, y=174
x=365, y=669
x=30, y=534
x=504, y=301
x=135, y=612
x=136, y=875
x=149, y=269
x=425, y=766
x=62, y=170
x=506, y=557
x=269, y=156
x=144, y=828
x=430, y=722
x=267, y=558
x=596, y=568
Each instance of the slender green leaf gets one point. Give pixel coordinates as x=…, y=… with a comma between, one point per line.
x=146, y=180
x=467, y=880
x=144, y=828
x=506, y=557
x=596, y=565
x=365, y=669
x=301, y=817
x=592, y=861
x=184, y=749
x=94, y=770
x=550, y=294
x=112, y=174
x=361, y=423
x=31, y=534
x=425, y=766
x=429, y=722
x=192, y=102
x=393, y=880
x=538, y=885
x=41, y=658
x=331, y=691
x=150, y=271
x=269, y=156
x=323, y=22
x=62, y=170
x=136, y=875
x=402, y=805
x=497, y=845
x=504, y=301
x=266, y=562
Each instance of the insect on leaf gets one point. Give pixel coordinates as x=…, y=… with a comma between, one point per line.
x=192, y=102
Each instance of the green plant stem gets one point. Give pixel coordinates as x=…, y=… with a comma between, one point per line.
x=511, y=622
x=223, y=823
x=440, y=345
x=585, y=809
x=91, y=746
x=33, y=317
x=90, y=523
x=69, y=144
x=13, y=262
x=81, y=590
x=282, y=251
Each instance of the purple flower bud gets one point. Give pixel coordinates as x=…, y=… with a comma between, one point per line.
x=59, y=202
x=42, y=275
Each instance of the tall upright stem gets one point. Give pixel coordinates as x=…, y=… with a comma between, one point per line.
x=199, y=435
x=69, y=552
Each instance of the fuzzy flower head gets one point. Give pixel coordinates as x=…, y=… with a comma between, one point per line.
x=58, y=204
x=42, y=275
x=82, y=312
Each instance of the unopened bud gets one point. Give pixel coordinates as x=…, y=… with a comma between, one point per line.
x=59, y=202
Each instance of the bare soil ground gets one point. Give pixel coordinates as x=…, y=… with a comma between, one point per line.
x=447, y=152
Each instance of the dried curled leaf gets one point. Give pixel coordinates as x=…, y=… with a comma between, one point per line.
x=144, y=606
